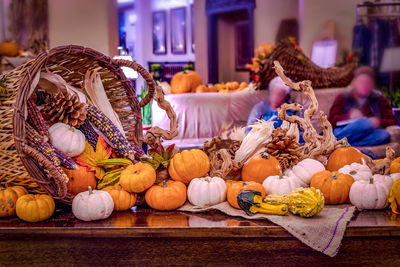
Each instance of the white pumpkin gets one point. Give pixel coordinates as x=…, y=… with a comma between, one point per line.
x=304, y=171
x=280, y=184
x=357, y=171
x=370, y=194
x=206, y=191
x=92, y=205
x=67, y=139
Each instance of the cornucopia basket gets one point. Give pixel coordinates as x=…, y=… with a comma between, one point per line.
x=71, y=63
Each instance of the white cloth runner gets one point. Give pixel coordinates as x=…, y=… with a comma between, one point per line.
x=323, y=232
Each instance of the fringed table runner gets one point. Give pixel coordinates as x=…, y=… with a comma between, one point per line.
x=323, y=232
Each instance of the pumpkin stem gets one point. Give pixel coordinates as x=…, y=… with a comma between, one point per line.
x=353, y=172
x=371, y=180
x=164, y=183
x=244, y=184
x=345, y=143
x=265, y=155
x=90, y=190
x=280, y=175
x=334, y=176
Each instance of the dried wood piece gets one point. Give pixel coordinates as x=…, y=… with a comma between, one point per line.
x=222, y=163
x=316, y=146
x=155, y=134
x=383, y=167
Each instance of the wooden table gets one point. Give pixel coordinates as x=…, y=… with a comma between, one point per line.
x=144, y=237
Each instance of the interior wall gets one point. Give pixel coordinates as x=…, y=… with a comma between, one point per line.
x=314, y=13
x=91, y=23
x=200, y=39
x=268, y=14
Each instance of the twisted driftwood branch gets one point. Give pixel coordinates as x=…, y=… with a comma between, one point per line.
x=155, y=134
x=383, y=167
x=316, y=146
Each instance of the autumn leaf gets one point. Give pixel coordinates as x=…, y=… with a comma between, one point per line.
x=89, y=157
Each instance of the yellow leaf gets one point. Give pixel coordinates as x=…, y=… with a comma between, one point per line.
x=89, y=157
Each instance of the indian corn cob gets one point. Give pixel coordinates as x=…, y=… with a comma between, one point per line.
x=111, y=132
x=90, y=134
x=35, y=118
x=55, y=155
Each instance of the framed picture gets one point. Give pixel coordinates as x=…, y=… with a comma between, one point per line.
x=178, y=30
x=242, y=49
x=192, y=25
x=159, y=33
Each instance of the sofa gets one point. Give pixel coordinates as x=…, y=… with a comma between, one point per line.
x=201, y=116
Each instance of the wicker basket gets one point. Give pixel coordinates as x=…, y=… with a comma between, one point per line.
x=299, y=67
x=71, y=63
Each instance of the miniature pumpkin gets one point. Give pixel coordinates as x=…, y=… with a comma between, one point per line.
x=92, y=205
x=8, y=200
x=260, y=167
x=395, y=166
x=394, y=197
x=335, y=186
x=237, y=187
x=357, y=171
x=206, y=191
x=342, y=156
x=370, y=194
x=137, y=178
x=168, y=195
x=167, y=220
x=67, y=139
x=123, y=200
x=304, y=170
x=123, y=219
x=280, y=184
x=35, y=208
x=80, y=179
x=9, y=49
x=20, y=190
x=205, y=89
x=185, y=82
x=188, y=165
x=305, y=202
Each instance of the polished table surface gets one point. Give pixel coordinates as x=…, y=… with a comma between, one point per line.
x=144, y=236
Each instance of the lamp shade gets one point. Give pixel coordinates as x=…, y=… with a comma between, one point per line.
x=391, y=59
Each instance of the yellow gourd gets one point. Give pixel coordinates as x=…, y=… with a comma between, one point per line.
x=306, y=202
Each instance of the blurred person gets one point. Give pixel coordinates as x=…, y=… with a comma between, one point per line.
x=279, y=93
x=362, y=113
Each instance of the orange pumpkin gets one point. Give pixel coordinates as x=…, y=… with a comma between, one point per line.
x=123, y=200
x=20, y=190
x=188, y=164
x=335, y=186
x=342, y=156
x=80, y=179
x=8, y=201
x=185, y=82
x=168, y=195
x=395, y=166
x=167, y=220
x=260, y=167
x=9, y=49
x=237, y=187
x=205, y=89
x=138, y=177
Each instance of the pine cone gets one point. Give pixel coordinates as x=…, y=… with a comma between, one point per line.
x=284, y=148
x=66, y=109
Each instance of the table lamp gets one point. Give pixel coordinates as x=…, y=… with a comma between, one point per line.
x=391, y=63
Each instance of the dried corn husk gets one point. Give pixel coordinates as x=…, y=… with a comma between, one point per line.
x=54, y=83
x=97, y=95
x=255, y=140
